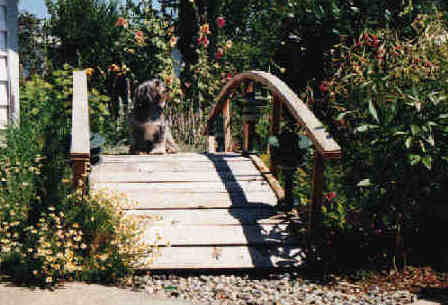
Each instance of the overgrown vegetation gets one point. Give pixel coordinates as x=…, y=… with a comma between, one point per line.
x=373, y=71
x=49, y=232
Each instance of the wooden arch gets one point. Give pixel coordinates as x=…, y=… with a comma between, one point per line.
x=283, y=96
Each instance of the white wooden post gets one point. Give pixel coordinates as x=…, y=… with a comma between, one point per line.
x=9, y=64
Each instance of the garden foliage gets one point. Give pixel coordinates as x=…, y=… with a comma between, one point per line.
x=49, y=232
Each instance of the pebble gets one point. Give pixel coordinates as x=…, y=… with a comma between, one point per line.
x=272, y=289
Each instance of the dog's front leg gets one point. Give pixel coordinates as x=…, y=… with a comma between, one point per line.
x=159, y=146
x=171, y=146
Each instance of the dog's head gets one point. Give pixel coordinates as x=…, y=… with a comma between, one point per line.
x=151, y=92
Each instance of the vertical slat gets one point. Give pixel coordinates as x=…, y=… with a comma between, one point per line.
x=247, y=128
x=211, y=144
x=276, y=118
x=317, y=189
x=227, y=130
x=80, y=150
x=246, y=135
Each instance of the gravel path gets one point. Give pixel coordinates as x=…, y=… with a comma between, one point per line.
x=273, y=289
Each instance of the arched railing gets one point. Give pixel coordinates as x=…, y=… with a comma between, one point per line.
x=283, y=97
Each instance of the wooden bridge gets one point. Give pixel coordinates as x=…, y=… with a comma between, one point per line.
x=217, y=210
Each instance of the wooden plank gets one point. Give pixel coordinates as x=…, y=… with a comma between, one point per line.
x=233, y=216
x=168, y=200
x=173, y=166
x=177, y=157
x=228, y=257
x=189, y=187
x=273, y=182
x=108, y=175
x=80, y=115
x=218, y=235
x=324, y=143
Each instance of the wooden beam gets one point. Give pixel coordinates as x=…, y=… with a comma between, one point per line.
x=211, y=147
x=227, y=129
x=273, y=182
x=317, y=190
x=80, y=148
x=275, y=129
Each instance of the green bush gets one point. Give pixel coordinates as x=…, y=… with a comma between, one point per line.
x=48, y=232
x=389, y=110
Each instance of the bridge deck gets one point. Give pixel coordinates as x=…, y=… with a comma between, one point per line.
x=215, y=210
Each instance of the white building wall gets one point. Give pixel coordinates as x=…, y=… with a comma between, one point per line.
x=9, y=63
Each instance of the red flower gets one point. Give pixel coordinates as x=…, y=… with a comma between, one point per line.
x=229, y=76
x=219, y=53
x=323, y=87
x=122, y=22
x=203, y=40
x=330, y=196
x=220, y=21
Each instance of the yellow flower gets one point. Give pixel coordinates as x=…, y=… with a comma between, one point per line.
x=205, y=28
x=90, y=71
x=49, y=279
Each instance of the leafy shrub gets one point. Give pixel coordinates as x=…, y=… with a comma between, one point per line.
x=48, y=232
x=389, y=110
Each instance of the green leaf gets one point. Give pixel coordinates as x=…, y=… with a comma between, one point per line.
x=414, y=159
x=415, y=129
x=427, y=161
x=372, y=110
x=364, y=182
x=364, y=128
x=443, y=116
x=354, y=9
x=408, y=142
x=340, y=116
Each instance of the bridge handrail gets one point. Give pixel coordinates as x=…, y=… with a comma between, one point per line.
x=326, y=147
x=80, y=143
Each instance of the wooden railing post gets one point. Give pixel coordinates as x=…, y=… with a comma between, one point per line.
x=248, y=120
x=227, y=130
x=275, y=131
x=317, y=190
x=211, y=144
x=80, y=148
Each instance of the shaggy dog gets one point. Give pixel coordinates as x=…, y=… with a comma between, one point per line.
x=150, y=131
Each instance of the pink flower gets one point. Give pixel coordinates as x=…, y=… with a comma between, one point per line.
x=220, y=21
